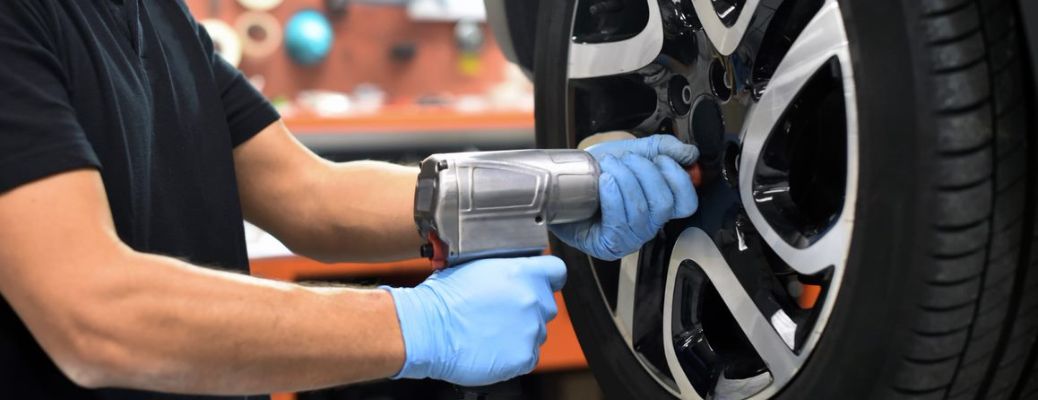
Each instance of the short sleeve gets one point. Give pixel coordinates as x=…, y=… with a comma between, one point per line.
x=247, y=111
x=39, y=131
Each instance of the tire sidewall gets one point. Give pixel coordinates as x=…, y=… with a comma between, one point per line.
x=869, y=329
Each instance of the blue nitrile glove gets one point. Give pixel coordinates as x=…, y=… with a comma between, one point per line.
x=642, y=186
x=480, y=322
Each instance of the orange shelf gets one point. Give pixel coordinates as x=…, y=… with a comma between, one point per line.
x=561, y=351
x=411, y=119
x=298, y=268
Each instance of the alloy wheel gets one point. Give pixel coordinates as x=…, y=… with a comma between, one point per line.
x=730, y=302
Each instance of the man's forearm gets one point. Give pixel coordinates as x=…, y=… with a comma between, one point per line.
x=156, y=323
x=360, y=211
x=355, y=211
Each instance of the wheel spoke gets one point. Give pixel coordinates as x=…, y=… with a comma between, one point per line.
x=625, y=295
x=725, y=38
x=821, y=40
x=685, y=388
x=589, y=60
x=695, y=245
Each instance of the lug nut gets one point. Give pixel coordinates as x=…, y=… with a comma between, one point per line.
x=794, y=288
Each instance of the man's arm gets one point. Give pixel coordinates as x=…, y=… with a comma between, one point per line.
x=110, y=316
x=355, y=211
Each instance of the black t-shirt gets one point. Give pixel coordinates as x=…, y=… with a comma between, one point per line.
x=134, y=89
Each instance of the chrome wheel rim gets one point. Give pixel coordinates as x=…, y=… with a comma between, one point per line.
x=778, y=125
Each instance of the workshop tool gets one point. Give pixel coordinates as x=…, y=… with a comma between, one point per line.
x=495, y=204
x=260, y=34
x=476, y=205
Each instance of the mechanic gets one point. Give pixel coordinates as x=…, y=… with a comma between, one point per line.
x=129, y=155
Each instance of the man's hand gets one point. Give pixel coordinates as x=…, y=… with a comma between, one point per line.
x=642, y=186
x=481, y=322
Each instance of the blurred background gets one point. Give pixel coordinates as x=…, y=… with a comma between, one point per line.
x=391, y=80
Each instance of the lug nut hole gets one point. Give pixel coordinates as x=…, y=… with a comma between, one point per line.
x=679, y=95
x=719, y=80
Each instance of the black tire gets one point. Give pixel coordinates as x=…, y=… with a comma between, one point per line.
x=940, y=296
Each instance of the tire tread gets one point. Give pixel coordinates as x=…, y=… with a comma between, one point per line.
x=981, y=186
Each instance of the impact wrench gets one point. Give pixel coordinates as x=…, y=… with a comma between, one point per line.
x=477, y=205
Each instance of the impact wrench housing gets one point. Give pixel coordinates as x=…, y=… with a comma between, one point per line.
x=477, y=205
